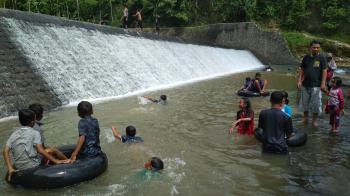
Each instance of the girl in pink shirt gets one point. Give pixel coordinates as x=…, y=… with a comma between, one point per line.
x=335, y=104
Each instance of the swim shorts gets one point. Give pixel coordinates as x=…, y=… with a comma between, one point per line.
x=310, y=100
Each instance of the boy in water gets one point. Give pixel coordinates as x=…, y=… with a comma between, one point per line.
x=25, y=145
x=258, y=85
x=275, y=125
x=39, y=110
x=286, y=108
x=162, y=99
x=89, y=133
x=154, y=164
x=247, y=84
x=129, y=137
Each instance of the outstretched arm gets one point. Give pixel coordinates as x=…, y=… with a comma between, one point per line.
x=150, y=99
x=116, y=133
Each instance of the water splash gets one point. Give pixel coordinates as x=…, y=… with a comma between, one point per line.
x=79, y=63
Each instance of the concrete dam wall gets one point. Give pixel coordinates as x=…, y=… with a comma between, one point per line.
x=54, y=61
x=269, y=47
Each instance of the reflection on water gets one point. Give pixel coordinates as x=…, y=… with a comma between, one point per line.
x=190, y=134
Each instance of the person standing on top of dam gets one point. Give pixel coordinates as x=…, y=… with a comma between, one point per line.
x=311, y=80
x=125, y=17
x=138, y=20
x=157, y=23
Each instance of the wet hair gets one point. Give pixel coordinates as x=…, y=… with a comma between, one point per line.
x=130, y=131
x=276, y=97
x=84, y=109
x=157, y=164
x=285, y=96
x=315, y=42
x=38, y=109
x=163, y=97
x=257, y=74
x=247, y=110
x=26, y=116
x=337, y=81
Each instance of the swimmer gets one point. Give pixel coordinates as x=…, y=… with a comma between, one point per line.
x=154, y=164
x=130, y=137
x=162, y=99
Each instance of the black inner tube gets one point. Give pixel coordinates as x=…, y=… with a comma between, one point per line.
x=298, y=138
x=61, y=175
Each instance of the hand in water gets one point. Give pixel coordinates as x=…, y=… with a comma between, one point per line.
x=231, y=130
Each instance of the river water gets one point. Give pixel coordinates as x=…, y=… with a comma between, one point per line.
x=190, y=134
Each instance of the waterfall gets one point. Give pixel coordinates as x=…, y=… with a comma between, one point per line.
x=79, y=63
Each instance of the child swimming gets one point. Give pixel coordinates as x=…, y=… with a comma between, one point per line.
x=162, y=99
x=130, y=137
x=154, y=164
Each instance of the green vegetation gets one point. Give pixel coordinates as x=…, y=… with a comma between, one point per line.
x=321, y=16
x=297, y=42
x=328, y=19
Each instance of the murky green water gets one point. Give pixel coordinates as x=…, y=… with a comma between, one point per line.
x=191, y=135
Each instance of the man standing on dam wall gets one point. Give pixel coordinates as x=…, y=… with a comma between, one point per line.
x=311, y=80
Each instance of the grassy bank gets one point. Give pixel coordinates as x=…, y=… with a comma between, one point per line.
x=298, y=43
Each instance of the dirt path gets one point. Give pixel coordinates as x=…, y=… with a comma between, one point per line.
x=339, y=43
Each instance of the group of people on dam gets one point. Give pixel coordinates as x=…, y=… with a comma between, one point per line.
x=138, y=20
x=26, y=147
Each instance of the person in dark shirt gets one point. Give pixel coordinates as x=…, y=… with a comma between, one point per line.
x=89, y=133
x=276, y=125
x=258, y=84
x=130, y=137
x=311, y=80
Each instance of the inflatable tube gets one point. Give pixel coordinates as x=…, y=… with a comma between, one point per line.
x=298, y=138
x=251, y=94
x=55, y=176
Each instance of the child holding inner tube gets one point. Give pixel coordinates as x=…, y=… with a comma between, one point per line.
x=245, y=118
x=25, y=145
x=89, y=133
x=276, y=125
x=335, y=104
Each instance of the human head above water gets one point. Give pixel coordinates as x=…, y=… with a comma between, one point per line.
x=26, y=117
x=285, y=97
x=163, y=97
x=84, y=109
x=337, y=81
x=276, y=97
x=154, y=164
x=38, y=110
x=130, y=131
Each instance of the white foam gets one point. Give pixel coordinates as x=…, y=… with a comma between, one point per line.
x=80, y=64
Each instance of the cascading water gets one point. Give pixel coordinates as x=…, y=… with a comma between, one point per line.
x=87, y=64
